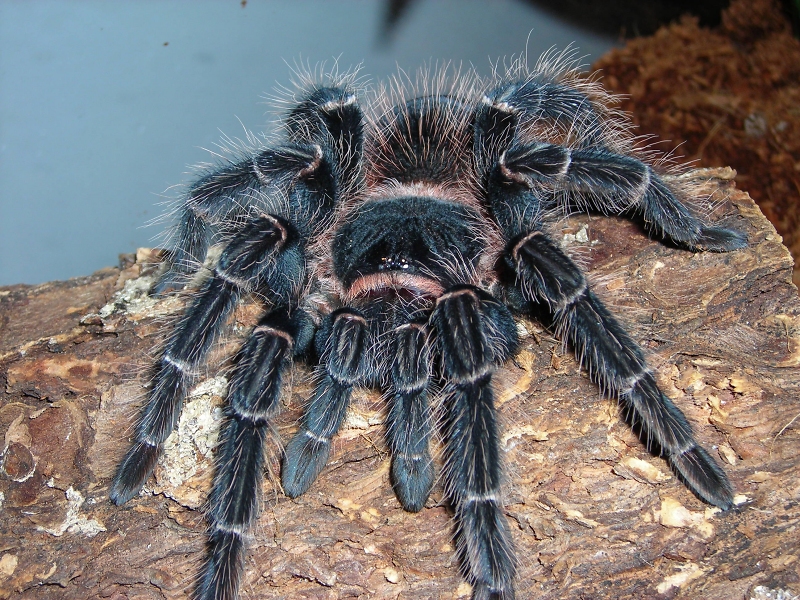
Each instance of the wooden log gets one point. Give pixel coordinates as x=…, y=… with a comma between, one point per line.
x=593, y=514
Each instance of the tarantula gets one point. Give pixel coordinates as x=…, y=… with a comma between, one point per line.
x=392, y=247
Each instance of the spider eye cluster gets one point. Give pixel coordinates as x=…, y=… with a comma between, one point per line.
x=391, y=246
x=394, y=262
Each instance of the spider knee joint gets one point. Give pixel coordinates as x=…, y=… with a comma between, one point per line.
x=575, y=295
x=314, y=164
x=182, y=366
x=320, y=439
x=481, y=498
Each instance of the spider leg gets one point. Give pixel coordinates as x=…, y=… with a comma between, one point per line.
x=264, y=254
x=289, y=193
x=252, y=401
x=264, y=244
x=547, y=276
x=475, y=333
x=590, y=173
x=344, y=343
x=207, y=201
x=408, y=428
x=326, y=116
x=223, y=195
x=341, y=342
x=535, y=99
x=617, y=184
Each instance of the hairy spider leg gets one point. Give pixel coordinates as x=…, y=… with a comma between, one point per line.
x=617, y=184
x=357, y=348
x=408, y=421
x=324, y=116
x=253, y=396
x=341, y=343
x=541, y=98
x=329, y=116
x=616, y=362
x=547, y=277
x=266, y=251
x=475, y=334
x=592, y=175
x=224, y=196
x=299, y=185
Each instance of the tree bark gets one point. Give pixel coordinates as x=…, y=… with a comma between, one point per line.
x=593, y=514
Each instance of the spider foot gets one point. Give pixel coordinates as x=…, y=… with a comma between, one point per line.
x=703, y=476
x=720, y=239
x=482, y=591
x=306, y=455
x=135, y=468
x=412, y=480
x=486, y=548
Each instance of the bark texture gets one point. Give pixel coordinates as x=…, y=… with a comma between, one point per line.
x=593, y=514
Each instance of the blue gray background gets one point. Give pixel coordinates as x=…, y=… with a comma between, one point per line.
x=104, y=105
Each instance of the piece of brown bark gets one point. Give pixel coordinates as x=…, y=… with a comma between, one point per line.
x=593, y=514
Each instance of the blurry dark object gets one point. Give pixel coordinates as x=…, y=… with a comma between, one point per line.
x=631, y=18
x=394, y=11
x=792, y=10
x=617, y=18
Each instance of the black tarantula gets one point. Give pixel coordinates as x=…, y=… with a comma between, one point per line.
x=392, y=247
